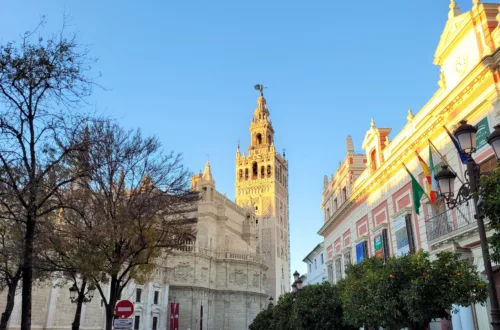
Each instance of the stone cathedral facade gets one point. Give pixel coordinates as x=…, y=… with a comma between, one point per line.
x=262, y=183
x=224, y=275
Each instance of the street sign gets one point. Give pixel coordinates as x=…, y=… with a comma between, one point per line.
x=122, y=324
x=124, y=309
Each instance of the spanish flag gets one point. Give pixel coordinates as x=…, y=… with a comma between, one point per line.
x=428, y=178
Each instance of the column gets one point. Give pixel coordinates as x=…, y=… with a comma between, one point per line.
x=456, y=320
x=52, y=306
x=147, y=301
x=466, y=317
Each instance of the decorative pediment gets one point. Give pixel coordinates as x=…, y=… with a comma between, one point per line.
x=451, y=32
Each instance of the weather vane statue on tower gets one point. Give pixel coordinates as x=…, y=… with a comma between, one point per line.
x=260, y=88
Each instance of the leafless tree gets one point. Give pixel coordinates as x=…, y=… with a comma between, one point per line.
x=134, y=206
x=43, y=84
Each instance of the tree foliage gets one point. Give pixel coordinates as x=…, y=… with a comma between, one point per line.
x=409, y=291
x=133, y=205
x=490, y=195
x=43, y=84
x=263, y=320
x=319, y=307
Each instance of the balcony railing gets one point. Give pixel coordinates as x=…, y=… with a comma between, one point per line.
x=219, y=254
x=450, y=221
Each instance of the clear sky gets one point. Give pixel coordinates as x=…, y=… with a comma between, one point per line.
x=185, y=70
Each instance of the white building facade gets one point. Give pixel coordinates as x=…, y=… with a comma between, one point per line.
x=316, y=267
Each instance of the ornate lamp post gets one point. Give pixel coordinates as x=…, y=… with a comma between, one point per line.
x=87, y=297
x=466, y=136
x=297, y=284
x=270, y=302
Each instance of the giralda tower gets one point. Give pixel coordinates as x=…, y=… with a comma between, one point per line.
x=262, y=183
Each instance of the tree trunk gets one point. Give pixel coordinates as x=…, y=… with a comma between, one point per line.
x=11, y=294
x=110, y=309
x=27, y=274
x=79, y=303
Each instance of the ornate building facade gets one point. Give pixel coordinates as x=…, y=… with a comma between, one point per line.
x=217, y=278
x=368, y=204
x=262, y=183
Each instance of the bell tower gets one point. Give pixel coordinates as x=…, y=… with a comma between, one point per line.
x=262, y=183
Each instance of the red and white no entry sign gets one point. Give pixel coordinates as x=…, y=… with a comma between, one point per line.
x=124, y=309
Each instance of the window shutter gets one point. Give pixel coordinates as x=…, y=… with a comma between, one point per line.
x=409, y=230
x=365, y=250
x=385, y=244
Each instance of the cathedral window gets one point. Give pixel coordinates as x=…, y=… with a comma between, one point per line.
x=137, y=322
x=255, y=170
x=259, y=138
x=155, y=323
x=241, y=174
x=268, y=170
x=246, y=173
x=138, y=294
x=262, y=171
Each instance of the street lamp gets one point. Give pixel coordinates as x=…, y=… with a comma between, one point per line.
x=494, y=140
x=297, y=284
x=270, y=302
x=87, y=297
x=73, y=292
x=466, y=136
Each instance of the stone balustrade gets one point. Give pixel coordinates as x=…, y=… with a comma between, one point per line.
x=219, y=254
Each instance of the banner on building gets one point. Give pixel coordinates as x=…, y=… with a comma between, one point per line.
x=401, y=233
x=378, y=245
x=360, y=252
x=174, y=316
x=483, y=132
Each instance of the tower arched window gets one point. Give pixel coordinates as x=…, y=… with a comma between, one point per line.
x=246, y=173
x=241, y=174
x=268, y=170
x=262, y=171
x=255, y=170
x=259, y=138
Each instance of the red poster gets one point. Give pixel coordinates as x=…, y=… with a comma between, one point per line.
x=172, y=312
x=176, y=317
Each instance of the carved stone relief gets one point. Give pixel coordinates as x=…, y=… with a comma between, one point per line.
x=255, y=280
x=183, y=271
x=238, y=277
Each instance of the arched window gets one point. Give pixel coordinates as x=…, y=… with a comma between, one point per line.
x=262, y=171
x=246, y=173
x=268, y=170
x=259, y=138
x=255, y=170
x=241, y=174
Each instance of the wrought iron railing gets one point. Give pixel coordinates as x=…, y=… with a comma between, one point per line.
x=450, y=221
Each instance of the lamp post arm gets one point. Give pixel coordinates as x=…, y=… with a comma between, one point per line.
x=472, y=169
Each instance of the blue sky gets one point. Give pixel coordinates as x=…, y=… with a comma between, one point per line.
x=185, y=71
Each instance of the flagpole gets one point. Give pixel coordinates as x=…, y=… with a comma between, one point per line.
x=444, y=160
x=426, y=195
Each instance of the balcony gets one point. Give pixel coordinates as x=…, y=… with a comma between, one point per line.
x=219, y=254
x=450, y=223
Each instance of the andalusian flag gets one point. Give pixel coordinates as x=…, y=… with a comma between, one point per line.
x=434, y=185
x=428, y=177
x=418, y=191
